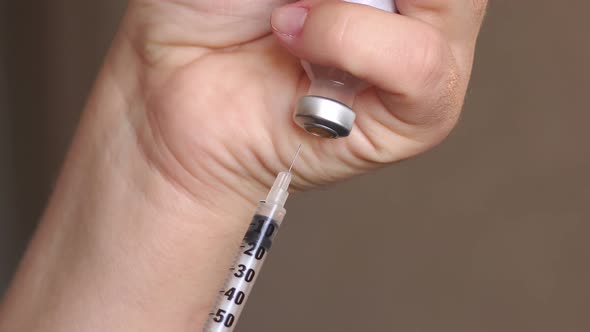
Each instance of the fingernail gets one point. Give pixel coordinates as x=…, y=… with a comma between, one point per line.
x=288, y=20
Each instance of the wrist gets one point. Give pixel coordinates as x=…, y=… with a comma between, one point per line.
x=128, y=232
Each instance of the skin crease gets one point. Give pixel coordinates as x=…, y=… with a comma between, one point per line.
x=188, y=125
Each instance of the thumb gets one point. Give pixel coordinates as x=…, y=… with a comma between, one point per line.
x=407, y=59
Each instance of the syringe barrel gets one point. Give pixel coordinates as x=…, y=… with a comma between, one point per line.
x=326, y=110
x=244, y=271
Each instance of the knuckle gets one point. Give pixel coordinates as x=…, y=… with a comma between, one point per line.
x=429, y=61
x=479, y=6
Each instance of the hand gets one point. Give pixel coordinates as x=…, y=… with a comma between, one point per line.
x=189, y=123
x=219, y=86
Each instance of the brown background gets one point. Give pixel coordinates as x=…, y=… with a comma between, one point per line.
x=489, y=232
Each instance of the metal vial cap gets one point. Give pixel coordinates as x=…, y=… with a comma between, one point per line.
x=324, y=117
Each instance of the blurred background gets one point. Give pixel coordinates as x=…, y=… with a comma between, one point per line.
x=488, y=232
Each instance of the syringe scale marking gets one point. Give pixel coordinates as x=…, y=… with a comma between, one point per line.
x=255, y=245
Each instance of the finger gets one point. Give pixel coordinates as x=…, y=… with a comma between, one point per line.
x=459, y=20
x=406, y=58
x=200, y=23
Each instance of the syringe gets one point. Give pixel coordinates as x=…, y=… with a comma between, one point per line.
x=251, y=256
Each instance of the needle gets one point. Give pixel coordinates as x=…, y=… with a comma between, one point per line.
x=295, y=158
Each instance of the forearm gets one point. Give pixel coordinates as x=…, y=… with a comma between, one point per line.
x=122, y=247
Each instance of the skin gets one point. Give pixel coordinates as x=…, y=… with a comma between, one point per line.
x=187, y=126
